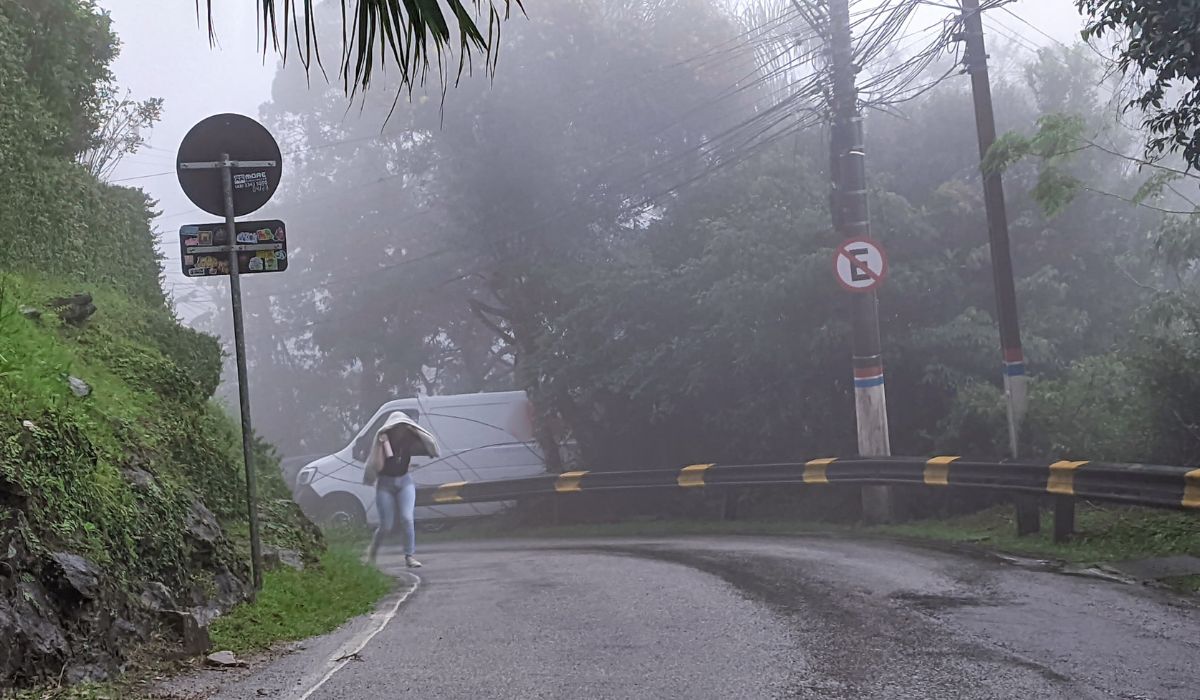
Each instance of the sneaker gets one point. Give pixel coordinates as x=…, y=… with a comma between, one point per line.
x=411, y=562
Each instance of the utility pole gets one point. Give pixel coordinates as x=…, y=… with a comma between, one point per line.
x=1015, y=380
x=851, y=219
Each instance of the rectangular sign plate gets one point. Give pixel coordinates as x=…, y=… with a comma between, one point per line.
x=261, y=247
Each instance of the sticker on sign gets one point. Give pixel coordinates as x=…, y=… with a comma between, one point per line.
x=860, y=264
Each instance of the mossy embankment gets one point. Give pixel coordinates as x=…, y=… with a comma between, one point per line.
x=122, y=508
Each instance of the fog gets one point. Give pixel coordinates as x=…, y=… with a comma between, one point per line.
x=631, y=223
x=166, y=53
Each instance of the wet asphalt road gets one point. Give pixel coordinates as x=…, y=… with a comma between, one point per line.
x=757, y=617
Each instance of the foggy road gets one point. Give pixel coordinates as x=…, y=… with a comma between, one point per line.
x=720, y=617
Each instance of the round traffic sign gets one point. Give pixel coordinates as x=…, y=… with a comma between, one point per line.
x=860, y=264
x=245, y=141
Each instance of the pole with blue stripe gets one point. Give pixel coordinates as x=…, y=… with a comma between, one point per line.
x=1015, y=381
x=851, y=219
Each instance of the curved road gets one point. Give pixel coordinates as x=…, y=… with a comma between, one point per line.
x=753, y=617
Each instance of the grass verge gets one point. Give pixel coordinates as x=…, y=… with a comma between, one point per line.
x=300, y=604
x=1103, y=533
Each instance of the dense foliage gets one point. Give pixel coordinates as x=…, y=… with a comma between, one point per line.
x=1156, y=43
x=577, y=236
x=56, y=218
x=503, y=242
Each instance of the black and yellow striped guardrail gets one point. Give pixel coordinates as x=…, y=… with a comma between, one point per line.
x=1139, y=484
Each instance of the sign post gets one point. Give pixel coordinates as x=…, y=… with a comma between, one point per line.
x=245, y=185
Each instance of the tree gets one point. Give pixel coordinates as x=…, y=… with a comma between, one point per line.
x=434, y=247
x=578, y=237
x=1157, y=41
x=409, y=34
x=54, y=66
x=65, y=54
x=120, y=133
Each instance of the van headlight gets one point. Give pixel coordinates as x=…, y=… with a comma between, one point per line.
x=305, y=477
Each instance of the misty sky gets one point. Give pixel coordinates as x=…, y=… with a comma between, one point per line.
x=165, y=53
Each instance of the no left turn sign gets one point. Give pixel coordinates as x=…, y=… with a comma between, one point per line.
x=860, y=264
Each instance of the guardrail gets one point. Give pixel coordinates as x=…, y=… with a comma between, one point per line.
x=1153, y=485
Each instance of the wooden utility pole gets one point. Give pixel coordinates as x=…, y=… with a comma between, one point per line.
x=851, y=219
x=1015, y=380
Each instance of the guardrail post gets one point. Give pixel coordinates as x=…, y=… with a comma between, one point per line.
x=1064, y=518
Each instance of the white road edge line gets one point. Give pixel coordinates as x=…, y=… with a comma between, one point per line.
x=416, y=583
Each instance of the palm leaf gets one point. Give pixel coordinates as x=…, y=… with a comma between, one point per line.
x=410, y=34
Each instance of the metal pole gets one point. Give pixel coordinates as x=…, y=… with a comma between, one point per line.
x=239, y=343
x=1015, y=380
x=851, y=219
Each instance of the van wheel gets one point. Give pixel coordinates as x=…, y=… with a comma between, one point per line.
x=342, y=510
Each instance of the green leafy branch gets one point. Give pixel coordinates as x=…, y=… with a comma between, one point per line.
x=1056, y=141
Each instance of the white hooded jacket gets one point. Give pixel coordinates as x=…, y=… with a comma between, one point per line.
x=398, y=420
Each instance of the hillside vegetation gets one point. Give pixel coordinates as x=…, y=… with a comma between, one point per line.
x=132, y=489
x=122, y=508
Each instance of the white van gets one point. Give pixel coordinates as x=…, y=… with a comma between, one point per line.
x=483, y=437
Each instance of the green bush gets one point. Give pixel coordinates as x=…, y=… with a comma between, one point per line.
x=1100, y=410
x=56, y=219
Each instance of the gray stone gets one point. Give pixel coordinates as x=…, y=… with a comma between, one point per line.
x=274, y=558
x=191, y=632
x=78, y=573
x=202, y=525
x=224, y=659
x=156, y=596
x=231, y=590
x=36, y=628
x=75, y=309
x=85, y=673
x=207, y=613
x=79, y=387
x=30, y=313
x=139, y=478
x=124, y=633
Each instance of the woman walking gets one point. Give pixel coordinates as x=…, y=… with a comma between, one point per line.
x=398, y=440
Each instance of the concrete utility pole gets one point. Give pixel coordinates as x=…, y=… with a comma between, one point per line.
x=1015, y=380
x=851, y=219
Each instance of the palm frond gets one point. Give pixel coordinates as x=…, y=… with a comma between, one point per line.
x=409, y=34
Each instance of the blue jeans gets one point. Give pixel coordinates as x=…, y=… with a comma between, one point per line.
x=395, y=499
